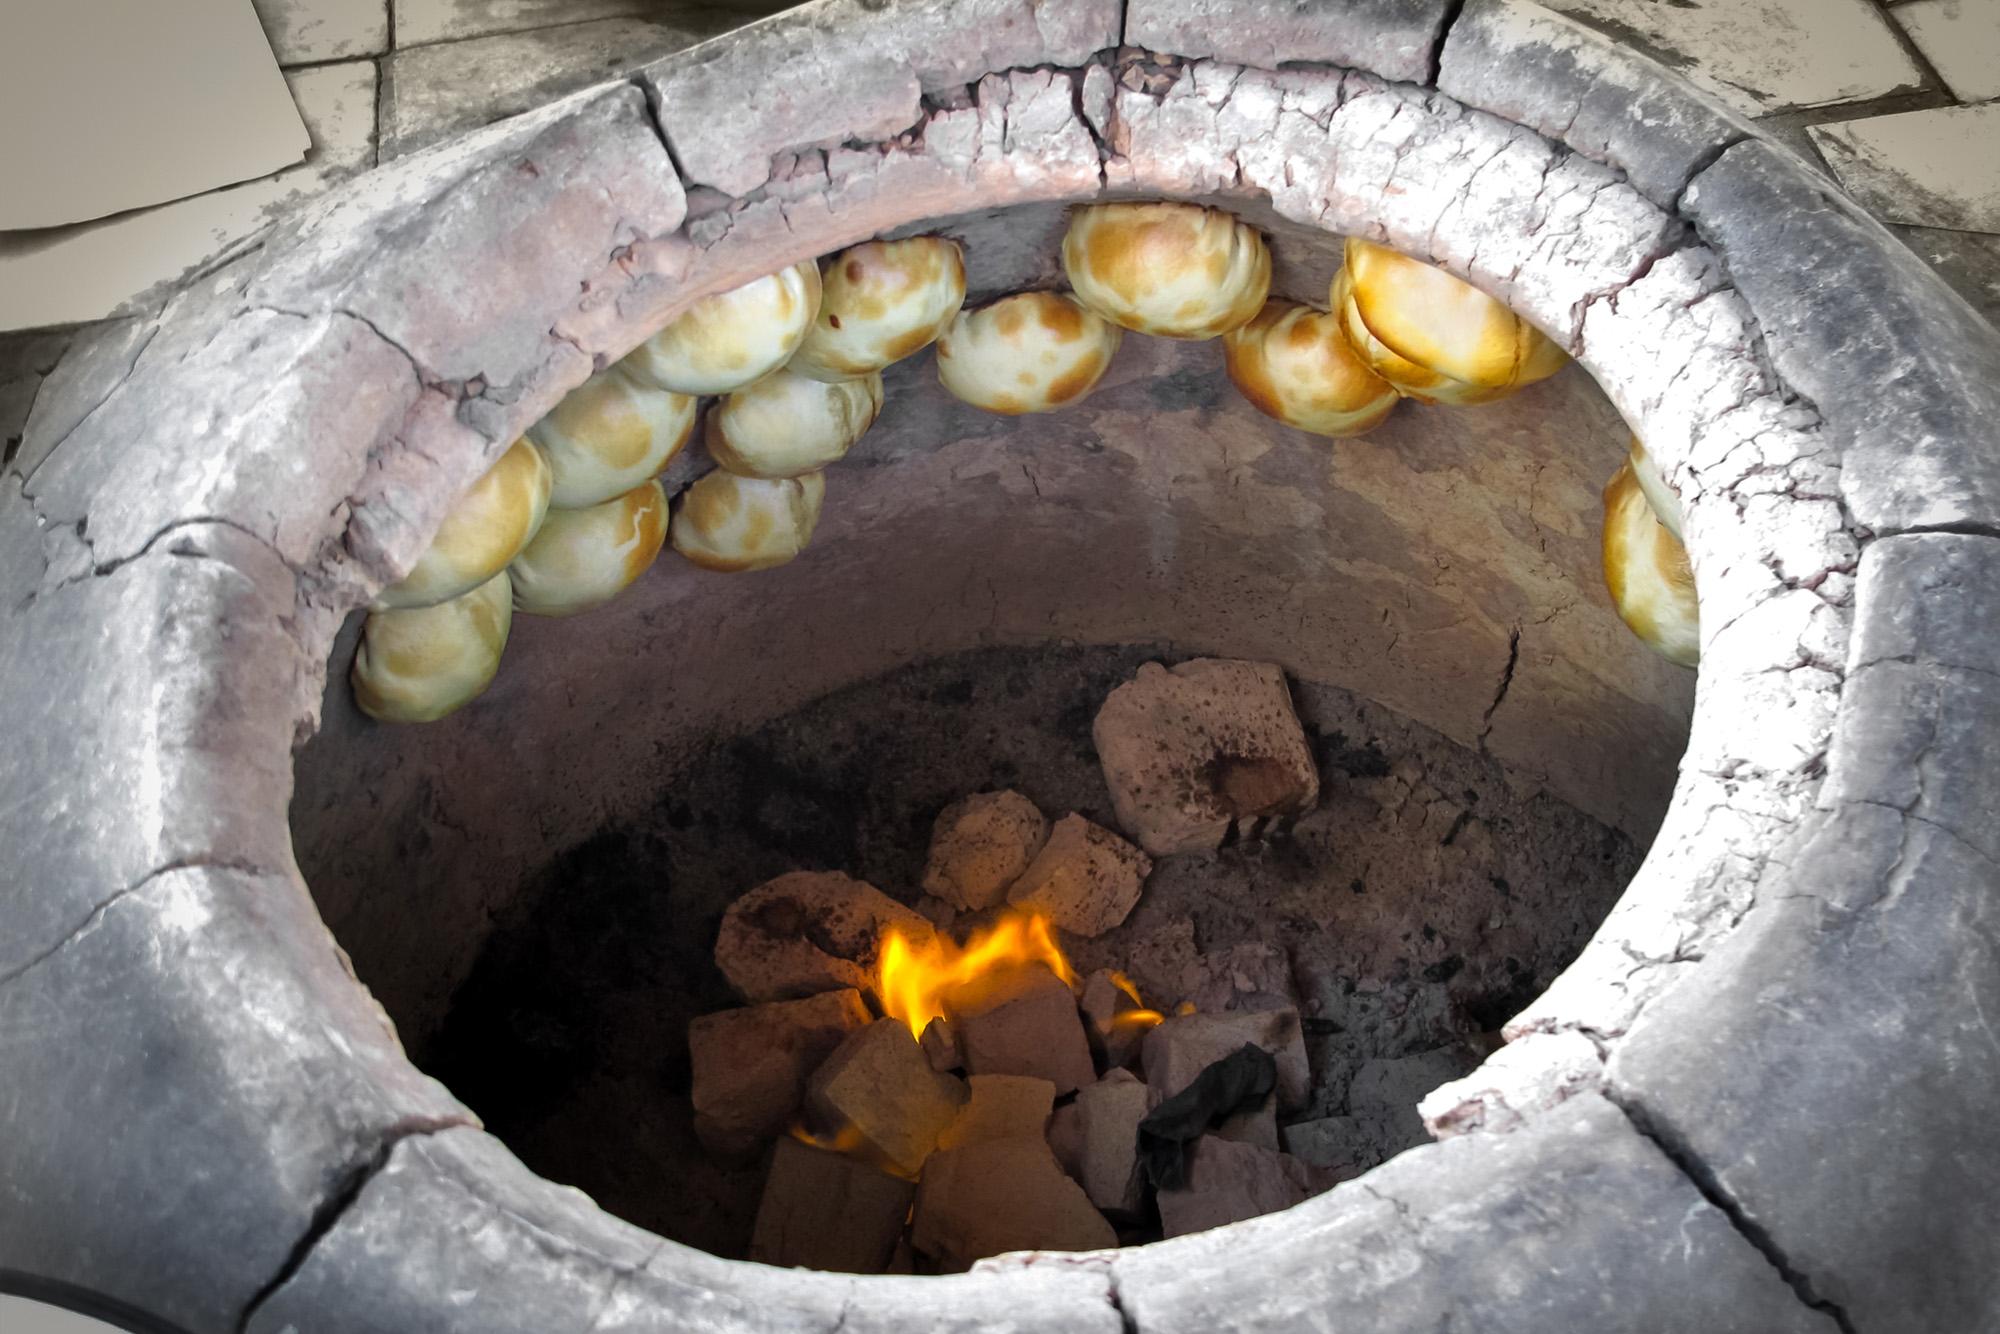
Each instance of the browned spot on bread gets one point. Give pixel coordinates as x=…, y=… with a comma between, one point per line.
x=757, y=528
x=913, y=340
x=1062, y=318
x=1250, y=373
x=1077, y=381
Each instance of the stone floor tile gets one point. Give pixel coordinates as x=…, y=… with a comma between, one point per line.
x=1961, y=39
x=430, y=93
x=1969, y=261
x=67, y=275
x=1937, y=168
x=1764, y=56
x=311, y=31
x=422, y=21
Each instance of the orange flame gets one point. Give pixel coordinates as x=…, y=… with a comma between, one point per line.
x=1139, y=1016
x=844, y=1140
x=915, y=978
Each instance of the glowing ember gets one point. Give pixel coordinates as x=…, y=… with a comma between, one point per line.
x=915, y=979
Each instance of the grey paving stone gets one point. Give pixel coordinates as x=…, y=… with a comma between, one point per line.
x=1907, y=413
x=303, y=31
x=419, y=22
x=1961, y=39
x=97, y=269
x=1969, y=261
x=1573, y=1222
x=1575, y=84
x=851, y=69
x=1835, y=1071
x=1936, y=168
x=1764, y=55
x=189, y=1080
x=1393, y=38
x=430, y=93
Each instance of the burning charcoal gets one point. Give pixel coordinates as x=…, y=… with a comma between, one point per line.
x=1228, y=1182
x=1002, y=1195
x=980, y=845
x=1109, y=1113
x=940, y=1046
x=879, y=1083
x=1249, y=976
x=1205, y=751
x=751, y=1065
x=807, y=932
x=1066, y=1139
x=1232, y=1096
x=1021, y=1019
x=1186, y=1044
x=1085, y=878
x=1116, y=1020
x=1001, y=1107
x=825, y=1210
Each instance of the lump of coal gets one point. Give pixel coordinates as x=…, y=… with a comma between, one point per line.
x=1197, y=752
x=1185, y=1045
x=1021, y=1019
x=1105, y=1004
x=825, y=1210
x=1238, y=1083
x=1085, y=878
x=1002, y=1195
x=1001, y=1107
x=879, y=1084
x=807, y=932
x=1108, y=1117
x=1228, y=1182
x=980, y=845
x=751, y=1065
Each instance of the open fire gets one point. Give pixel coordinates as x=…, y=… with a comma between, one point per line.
x=923, y=1102
x=917, y=979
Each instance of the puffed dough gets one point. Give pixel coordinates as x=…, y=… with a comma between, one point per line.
x=609, y=435
x=485, y=530
x=725, y=522
x=1646, y=568
x=1031, y=352
x=417, y=664
x=786, y=425
x=1175, y=270
x=1665, y=501
x=882, y=301
x=1434, y=337
x=725, y=341
x=1293, y=363
x=584, y=558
